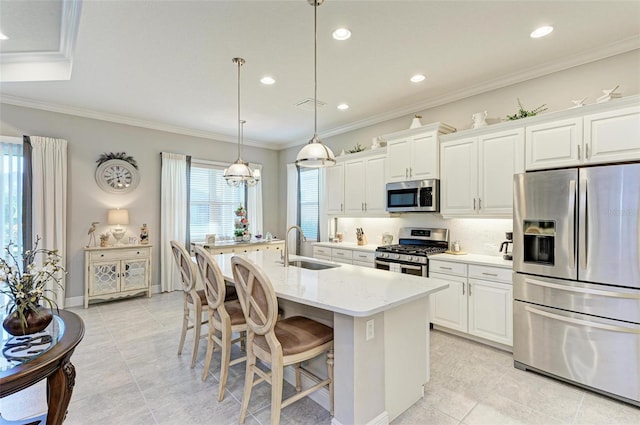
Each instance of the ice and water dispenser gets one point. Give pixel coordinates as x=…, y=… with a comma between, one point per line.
x=539, y=242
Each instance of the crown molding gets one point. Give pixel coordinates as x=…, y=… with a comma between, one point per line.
x=126, y=120
x=623, y=46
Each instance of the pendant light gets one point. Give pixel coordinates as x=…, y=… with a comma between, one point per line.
x=315, y=154
x=239, y=172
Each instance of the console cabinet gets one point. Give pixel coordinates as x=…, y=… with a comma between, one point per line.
x=116, y=272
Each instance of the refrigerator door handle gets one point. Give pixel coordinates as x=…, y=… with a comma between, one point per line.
x=581, y=322
x=588, y=291
x=583, y=223
x=572, y=226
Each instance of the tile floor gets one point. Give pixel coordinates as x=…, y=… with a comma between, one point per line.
x=128, y=373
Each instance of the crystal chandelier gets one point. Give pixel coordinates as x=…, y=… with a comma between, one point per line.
x=239, y=172
x=315, y=154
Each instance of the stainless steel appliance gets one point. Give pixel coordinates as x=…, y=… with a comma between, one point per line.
x=414, y=196
x=577, y=283
x=411, y=254
x=505, y=246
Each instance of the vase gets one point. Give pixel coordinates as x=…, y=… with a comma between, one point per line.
x=37, y=320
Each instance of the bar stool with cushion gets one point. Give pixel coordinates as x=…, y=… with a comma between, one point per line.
x=224, y=316
x=194, y=299
x=281, y=343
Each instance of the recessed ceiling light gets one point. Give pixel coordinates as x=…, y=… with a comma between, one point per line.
x=267, y=80
x=417, y=78
x=342, y=34
x=3, y=37
x=343, y=106
x=541, y=32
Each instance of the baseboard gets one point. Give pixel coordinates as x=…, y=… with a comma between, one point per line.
x=493, y=344
x=381, y=419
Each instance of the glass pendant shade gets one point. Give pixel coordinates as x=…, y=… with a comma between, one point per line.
x=315, y=154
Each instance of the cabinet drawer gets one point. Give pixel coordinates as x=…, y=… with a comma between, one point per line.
x=341, y=254
x=362, y=256
x=447, y=267
x=490, y=273
x=321, y=251
x=120, y=254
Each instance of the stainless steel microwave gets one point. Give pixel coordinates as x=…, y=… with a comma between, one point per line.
x=414, y=196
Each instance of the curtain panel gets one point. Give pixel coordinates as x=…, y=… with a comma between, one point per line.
x=174, y=211
x=49, y=202
x=292, y=204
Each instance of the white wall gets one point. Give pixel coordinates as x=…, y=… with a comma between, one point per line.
x=88, y=138
x=555, y=90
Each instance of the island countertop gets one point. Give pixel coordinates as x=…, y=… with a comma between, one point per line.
x=351, y=290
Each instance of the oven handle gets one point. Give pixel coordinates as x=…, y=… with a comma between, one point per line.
x=406, y=266
x=581, y=322
x=589, y=291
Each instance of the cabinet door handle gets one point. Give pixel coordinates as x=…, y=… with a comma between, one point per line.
x=410, y=171
x=339, y=253
x=490, y=274
x=445, y=268
x=406, y=173
x=586, y=151
x=579, y=154
x=469, y=288
x=479, y=204
x=362, y=206
x=365, y=206
x=474, y=204
x=463, y=288
x=341, y=207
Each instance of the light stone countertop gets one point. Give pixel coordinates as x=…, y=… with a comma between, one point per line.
x=348, y=245
x=482, y=260
x=228, y=243
x=350, y=290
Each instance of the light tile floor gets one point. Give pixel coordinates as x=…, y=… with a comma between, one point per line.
x=128, y=373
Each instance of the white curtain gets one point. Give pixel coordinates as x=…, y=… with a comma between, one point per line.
x=49, y=163
x=173, y=215
x=254, y=204
x=292, y=204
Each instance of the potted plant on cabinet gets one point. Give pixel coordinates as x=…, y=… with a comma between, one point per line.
x=26, y=288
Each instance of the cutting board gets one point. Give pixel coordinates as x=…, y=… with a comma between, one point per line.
x=456, y=253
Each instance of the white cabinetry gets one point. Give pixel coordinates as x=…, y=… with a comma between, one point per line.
x=478, y=300
x=365, y=186
x=335, y=189
x=116, y=272
x=477, y=173
x=413, y=154
x=603, y=137
x=345, y=255
x=241, y=247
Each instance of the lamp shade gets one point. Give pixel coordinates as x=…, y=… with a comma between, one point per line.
x=118, y=216
x=315, y=155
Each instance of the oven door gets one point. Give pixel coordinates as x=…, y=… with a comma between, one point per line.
x=414, y=269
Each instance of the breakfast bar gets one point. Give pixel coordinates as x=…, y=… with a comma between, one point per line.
x=381, y=329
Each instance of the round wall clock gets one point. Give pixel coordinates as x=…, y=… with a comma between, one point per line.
x=117, y=176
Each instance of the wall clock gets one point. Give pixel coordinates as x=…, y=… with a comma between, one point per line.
x=117, y=176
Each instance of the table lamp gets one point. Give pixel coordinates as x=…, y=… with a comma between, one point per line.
x=118, y=217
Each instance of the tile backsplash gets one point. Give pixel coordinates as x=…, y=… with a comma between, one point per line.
x=477, y=236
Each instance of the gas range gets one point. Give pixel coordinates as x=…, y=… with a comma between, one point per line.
x=411, y=254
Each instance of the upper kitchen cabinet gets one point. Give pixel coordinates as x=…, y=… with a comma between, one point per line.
x=335, y=189
x=414, y=154
x=356, y=184
x=477, y=172
x=365, y=186
x=594, y=134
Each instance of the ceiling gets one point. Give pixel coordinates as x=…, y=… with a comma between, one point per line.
x=168, y=64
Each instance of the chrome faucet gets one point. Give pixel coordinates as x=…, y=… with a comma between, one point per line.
x=286, y=242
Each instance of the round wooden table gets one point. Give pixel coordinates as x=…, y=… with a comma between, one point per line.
x=51, y=361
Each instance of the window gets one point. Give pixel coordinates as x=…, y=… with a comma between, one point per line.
x=212, y=202
x=309, y=211
x=11, y=169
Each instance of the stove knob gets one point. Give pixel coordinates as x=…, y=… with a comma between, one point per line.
x=410, y=258
x=397, y=256
x=385, y=255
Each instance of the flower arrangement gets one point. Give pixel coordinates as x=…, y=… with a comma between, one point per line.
x=27, y=289
x=357, y=148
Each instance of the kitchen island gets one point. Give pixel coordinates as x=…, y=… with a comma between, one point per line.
x=381, y=331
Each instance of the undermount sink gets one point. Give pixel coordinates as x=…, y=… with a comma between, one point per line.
x=312, y=265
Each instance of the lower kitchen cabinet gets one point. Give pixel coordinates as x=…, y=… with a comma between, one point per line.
x=345, y=255
x=116, y=272
x=478, y=300
x=241, y=247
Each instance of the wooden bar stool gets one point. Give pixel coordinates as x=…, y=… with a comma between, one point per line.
x=193, y=299
x=281, y=343
x=224, y=316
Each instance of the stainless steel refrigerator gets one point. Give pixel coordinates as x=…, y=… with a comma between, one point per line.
x=576, y=292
